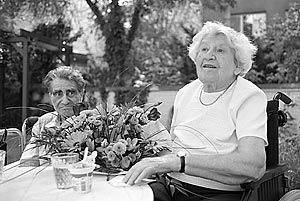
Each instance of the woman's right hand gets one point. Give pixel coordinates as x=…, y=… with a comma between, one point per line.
x=151, y=166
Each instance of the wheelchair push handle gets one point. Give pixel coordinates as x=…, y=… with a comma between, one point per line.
x=281, y=96
x=282, y=116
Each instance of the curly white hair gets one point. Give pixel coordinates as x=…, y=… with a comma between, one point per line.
x=244, y=50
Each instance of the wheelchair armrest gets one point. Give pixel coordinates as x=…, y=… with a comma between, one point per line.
x=271, y=173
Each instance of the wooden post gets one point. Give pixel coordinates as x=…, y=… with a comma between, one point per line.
x=2, y=74
x=24, y=52
x=25, y=80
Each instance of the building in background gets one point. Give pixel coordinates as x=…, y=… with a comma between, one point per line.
x=251, y=17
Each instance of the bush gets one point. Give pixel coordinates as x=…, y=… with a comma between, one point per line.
x=289, y=148
x=278, y=56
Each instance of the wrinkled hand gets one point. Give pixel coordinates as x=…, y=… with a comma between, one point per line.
x=151, y=166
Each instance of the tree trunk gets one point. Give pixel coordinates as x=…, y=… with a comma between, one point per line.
x=117, y=44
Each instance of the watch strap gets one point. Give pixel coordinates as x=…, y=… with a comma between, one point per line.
x=182, y=164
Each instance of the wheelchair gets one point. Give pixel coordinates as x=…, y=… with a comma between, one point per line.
x=273, y=185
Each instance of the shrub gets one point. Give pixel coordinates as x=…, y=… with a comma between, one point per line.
x=289, y=148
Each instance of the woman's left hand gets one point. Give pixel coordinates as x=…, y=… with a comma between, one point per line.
x=151, y=166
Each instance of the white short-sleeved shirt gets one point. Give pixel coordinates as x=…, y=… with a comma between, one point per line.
x=217, y=128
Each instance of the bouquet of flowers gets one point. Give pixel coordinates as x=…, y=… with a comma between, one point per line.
x=116, y=133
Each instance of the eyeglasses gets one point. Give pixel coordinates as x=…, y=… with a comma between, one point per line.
x=70, y=93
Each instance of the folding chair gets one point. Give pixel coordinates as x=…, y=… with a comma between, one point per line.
x=15, y=144
x=273, y=185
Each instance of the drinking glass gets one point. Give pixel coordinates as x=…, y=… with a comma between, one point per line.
x=60, y=163
x=82, y=176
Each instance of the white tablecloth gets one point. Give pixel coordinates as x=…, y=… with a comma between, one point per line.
x=38, y=184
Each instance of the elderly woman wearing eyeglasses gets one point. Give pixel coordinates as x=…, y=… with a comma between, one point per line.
x=66, y=88
x=219, y=126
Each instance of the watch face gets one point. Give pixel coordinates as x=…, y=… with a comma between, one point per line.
x=181, y=153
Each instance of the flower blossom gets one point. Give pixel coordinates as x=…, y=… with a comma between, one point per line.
x=74, y=140
x=119, y=148
x=111, y=156
x=134, y=120
x=116, y=162
x=125, y=162
x=144, y=119
x=108, y=149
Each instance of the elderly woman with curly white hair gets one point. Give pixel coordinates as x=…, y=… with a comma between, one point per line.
x=219, y=125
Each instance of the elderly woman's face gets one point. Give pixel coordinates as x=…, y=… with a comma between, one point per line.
x=64, y=95
x=215, y=62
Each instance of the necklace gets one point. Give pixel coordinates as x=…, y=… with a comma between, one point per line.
x=208, y=104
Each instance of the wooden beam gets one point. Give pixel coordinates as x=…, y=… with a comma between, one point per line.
x=13, y=40
x=25, y=80
x=41, y=38
x=2, y=91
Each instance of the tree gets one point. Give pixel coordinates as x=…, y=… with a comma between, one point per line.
x=41, y=61
x=161, y=45
x=13, y=10
x=279, y=55
x=120, y=24
x=135, y=25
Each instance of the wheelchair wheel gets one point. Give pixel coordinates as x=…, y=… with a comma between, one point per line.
x=293, y=195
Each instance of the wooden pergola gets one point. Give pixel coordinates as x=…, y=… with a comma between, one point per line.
x=21, y=43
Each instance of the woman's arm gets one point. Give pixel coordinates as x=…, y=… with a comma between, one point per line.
x=245, y=164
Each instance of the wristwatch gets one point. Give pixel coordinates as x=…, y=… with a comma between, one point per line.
x=181, y=155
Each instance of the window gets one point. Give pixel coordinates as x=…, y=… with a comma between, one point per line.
x=253, y=25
